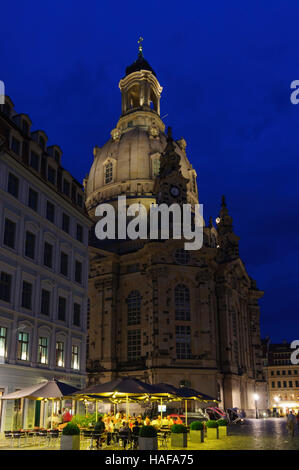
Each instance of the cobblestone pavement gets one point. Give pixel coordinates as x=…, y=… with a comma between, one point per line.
x=255, y=434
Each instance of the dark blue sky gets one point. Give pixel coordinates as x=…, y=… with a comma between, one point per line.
x=226, y=69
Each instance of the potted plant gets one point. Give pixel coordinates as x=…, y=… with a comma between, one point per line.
x=212, y=429
x=178, y=435
x=147, y=439
x=197, y=432
x=222, y=427
x=70, y=439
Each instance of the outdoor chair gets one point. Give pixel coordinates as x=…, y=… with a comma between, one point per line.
x=19, y=436
x=42, y=437
x=99, y=439
x=124, y=438
x=163, y=439
x=86, y=438
x=9, y=436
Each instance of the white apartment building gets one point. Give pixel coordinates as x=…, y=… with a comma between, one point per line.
x=43, y=269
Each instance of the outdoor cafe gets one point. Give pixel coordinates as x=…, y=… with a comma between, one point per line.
x=132, y=405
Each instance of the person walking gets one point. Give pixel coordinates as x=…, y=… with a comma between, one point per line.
x=291, y=423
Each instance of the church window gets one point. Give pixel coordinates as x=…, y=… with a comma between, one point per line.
x=193, y=183
x=134, y=304
x=134, y=344
x=182, y=256
x=108, y=172
x=156, y=166
x=183, y=342
x=182, y=302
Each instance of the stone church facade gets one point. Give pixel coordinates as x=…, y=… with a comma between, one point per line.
x=156, y=311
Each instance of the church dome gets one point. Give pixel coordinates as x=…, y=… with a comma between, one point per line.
x=129, y=162
x=133, y=159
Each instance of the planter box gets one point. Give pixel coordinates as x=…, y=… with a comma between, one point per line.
x=147, y=443
x=179, y=440
x=222, y=431
x=70, y=442
x=196, y=436
x=212, y=433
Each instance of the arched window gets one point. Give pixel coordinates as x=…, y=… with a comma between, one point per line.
x=134, y=308
x=156, y=166
x=182, y=302
x=108, y=172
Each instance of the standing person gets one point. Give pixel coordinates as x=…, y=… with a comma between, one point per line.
x=66, y=416
x=291, y=423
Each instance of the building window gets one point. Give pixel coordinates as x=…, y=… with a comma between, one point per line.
x=27, y=295
x=23, y=346
x=5, y=286
x=3, y=341
x=156, y=166
x=182, y=302
x=279, y=384
x=77, y=314
x=13, y=185
x=48, y=255
x=273, y=384
x=182, y=256
x=79, y=233
x=108, y=173
x=42, y=350
x=65, y=223
x=9, y=233
x=51, y=174
x=272, y=372
x=60, y=354
x=75, y=357
x=64, y=263
x=79, y=200
x=42, y=142
x=61, y=308
x=134, y=344
x=78, y=272
x=284, y=383
x=30, y=245
x=34, y=161
x=25, y=127
x=45, y=302
x=66, y=187
x=134, y=308
x=15, y=145
x=50, y=212
x=183, y=342
x=290, y=384
x=32, y=199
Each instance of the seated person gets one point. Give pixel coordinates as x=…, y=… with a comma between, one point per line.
x=99, y=428
x=135, y=434
x=157, y=422
x=125, y=432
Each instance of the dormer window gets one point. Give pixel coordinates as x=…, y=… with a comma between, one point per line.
x=51, y=174
x=42, y=142
x=108, y=172
x=15, y=145
x=25, y=127
x=66, y=187
x=34, y=161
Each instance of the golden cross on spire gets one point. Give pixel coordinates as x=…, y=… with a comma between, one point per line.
x=140, y=40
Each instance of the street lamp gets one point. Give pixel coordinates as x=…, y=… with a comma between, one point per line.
x=256, y=398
